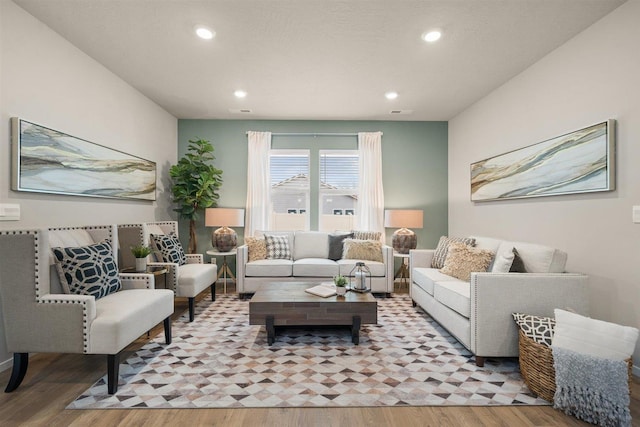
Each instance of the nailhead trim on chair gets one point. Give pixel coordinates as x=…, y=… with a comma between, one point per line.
x=136, y=278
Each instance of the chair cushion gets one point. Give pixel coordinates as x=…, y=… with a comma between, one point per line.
x=315, y=267
x=454, y=294
x=364, y=250
x=195, y=278
x=88, y=270
x=169, y=247
x=311, y=244
x=277, y=247
x=269, y=268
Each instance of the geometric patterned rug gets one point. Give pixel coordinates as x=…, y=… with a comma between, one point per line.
x=220, y=361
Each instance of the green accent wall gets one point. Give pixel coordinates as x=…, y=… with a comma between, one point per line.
x=414, y=163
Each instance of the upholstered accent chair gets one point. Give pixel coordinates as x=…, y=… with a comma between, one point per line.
x=40, y=318
x=186, y=280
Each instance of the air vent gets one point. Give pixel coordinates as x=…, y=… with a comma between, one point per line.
x=241, y=111
x=401, y=112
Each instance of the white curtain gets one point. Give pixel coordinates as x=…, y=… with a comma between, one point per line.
x=258, y=211
x=370, y=212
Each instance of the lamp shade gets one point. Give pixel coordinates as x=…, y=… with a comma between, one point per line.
x=227, y=217
x=224, y=239
x=403, y=218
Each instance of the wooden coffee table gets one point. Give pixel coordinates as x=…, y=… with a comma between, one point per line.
x=287, y=304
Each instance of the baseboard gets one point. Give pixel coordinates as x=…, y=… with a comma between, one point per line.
x=635, y=371
x=7, y=364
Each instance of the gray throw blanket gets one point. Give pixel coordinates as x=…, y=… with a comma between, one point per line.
x=592, y=389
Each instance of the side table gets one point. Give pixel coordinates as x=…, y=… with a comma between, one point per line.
x=403, y=270
x=157, y=271
x=224, y=271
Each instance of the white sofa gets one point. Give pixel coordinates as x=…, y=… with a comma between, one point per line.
x=310, y=263
x=478, y=314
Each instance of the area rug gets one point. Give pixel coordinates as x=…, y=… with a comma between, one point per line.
x=220, y=361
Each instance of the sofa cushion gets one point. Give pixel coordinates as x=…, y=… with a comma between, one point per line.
x=364, y=250
x=462, y=260
x=257, y=248
x=454, y=294
x=315, y=267
x=336, y=245
x=169, y=247
x=440, y=253
x=376, y=268
x=503, y=261
x=426, y=277
x=269, y=268
x=277, y=247
x=311, y=244
x=88, y=270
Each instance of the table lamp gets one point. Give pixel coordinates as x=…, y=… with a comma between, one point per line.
x=224, y=238
x=403, y=239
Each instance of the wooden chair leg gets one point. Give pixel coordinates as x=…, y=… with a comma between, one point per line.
x=480, y=361
x=191, y=309
x=167, y=330
x=20, y=365
x=113, y=370
x=213, y=291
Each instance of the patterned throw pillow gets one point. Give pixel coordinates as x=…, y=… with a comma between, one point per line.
x=462, y=260
x=257, y=248
x=88, y=270
x=443, y=246
x=365, y=250
x=539, y=329
x=277, y=247
x=169, y=247
x=366, y=235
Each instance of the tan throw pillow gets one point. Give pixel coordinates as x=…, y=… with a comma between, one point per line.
x=257, y=248
x=365, y=250
x=462, y=260
x=440, y=254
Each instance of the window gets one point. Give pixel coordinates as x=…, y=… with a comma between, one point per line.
x=290, y=189
x=338, y=189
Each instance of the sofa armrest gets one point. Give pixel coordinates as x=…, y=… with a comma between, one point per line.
x=495, y=296
x=242, y=256
x=388, y=259
x=421, y=257
x=137, y=281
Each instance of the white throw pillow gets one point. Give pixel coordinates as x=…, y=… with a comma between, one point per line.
x=503, y=261
x=595, y=337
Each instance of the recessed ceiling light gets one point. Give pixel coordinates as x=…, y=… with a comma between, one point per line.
x=240, y=93
x=204, y=32
x=431, y=36
x=391, y=95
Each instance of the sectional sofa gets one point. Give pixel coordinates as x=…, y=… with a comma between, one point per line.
x=478, y=312
x=309, y=262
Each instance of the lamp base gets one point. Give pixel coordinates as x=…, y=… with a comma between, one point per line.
x=224, y=239
x=403, y=240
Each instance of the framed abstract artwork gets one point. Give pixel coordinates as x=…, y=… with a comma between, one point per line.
x=49, y=161
x=582, y=161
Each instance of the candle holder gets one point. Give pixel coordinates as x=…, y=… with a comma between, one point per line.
x=360, y=278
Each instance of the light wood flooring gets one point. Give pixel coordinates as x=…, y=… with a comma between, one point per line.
x=54, y=380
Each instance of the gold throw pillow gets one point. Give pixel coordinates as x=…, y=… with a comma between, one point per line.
x=462, y=260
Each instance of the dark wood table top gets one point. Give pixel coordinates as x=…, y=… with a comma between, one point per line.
x=279, y=292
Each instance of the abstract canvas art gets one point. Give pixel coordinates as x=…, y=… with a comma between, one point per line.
x=577, y=162
x=49, y=161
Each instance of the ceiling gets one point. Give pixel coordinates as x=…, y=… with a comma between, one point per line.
x=317, y=59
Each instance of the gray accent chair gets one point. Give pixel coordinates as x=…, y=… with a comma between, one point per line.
x=187, y=280
x=39, y=318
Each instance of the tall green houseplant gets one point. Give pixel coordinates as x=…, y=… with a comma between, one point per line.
x=195, y=184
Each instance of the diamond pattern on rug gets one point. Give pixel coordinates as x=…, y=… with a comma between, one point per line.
x=220, y=361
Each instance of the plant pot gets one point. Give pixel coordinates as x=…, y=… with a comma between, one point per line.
x=141, y=265
x=341, y=290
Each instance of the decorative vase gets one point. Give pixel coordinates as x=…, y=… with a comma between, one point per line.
x=141, y=265
x=341, y=290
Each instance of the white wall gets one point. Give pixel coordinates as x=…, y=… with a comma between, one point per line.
x=46, y=80
x=593, y=77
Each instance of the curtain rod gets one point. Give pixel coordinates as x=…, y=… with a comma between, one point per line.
x=310, y=134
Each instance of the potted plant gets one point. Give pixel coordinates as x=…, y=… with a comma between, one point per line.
x=141, y=252
x=341, y=284
x=195, y=184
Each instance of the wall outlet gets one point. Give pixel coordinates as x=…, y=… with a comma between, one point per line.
x=636, y=214
x=9, y=212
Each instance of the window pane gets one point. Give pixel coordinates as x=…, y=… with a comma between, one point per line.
x=290, y=189
x=338, y=190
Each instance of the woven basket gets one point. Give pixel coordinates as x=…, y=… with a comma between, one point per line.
x=536, y=367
